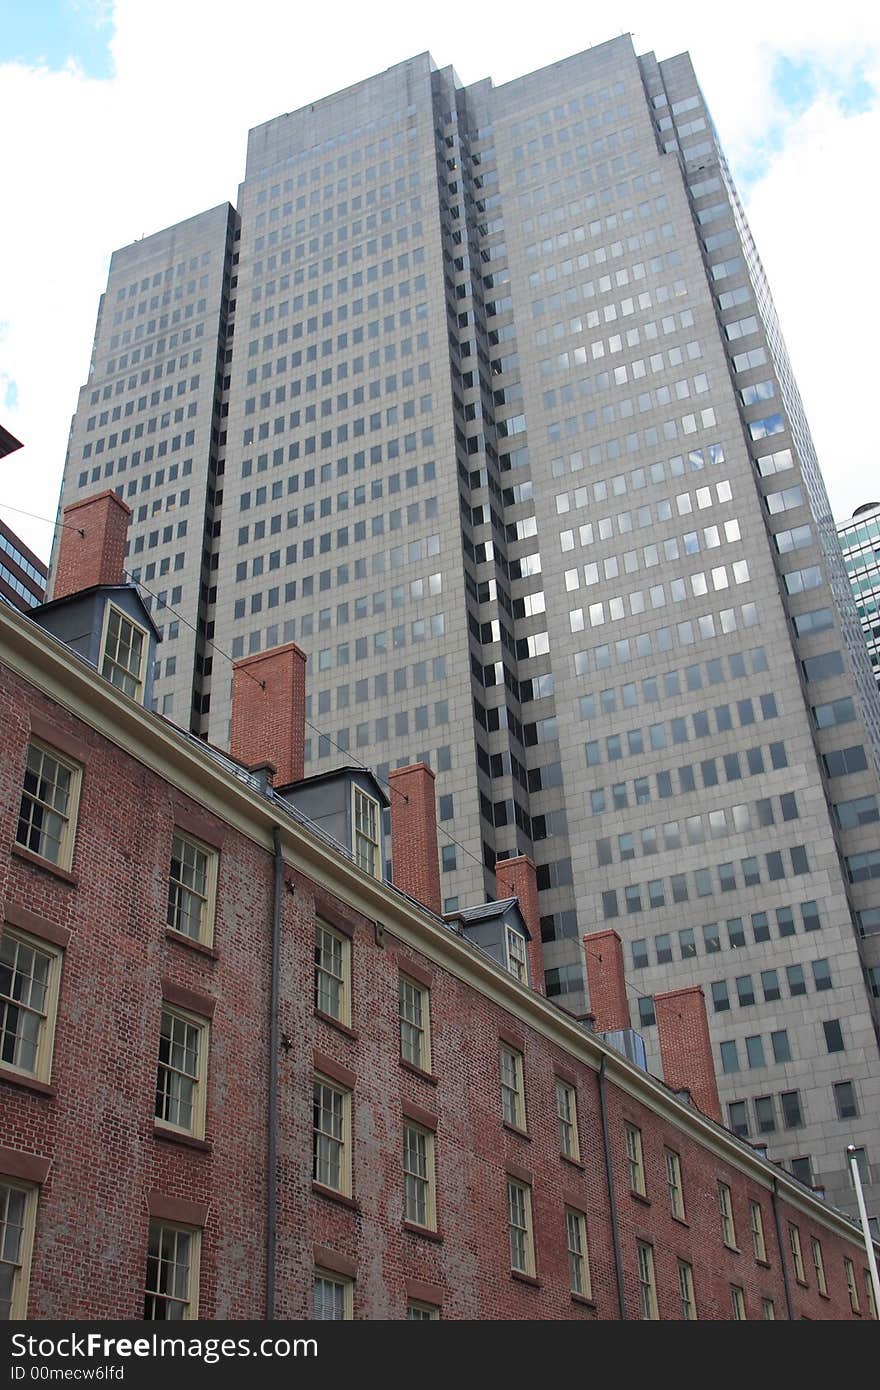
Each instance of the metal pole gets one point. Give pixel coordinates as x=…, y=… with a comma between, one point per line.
x=852, y=1155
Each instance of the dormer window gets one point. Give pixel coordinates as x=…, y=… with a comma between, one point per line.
x=123, y=653
x=366, y=833
x=516, y=955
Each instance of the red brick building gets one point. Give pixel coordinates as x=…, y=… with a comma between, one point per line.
x=242, y=1076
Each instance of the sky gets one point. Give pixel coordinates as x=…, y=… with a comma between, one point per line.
x=121, y=117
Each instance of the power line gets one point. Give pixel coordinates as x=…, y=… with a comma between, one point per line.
x=162, y=603
x=633, y=989
x=68, y=525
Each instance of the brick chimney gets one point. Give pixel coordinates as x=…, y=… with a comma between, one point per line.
x=516, y=878
x=415, y=861
x=605, y=982
x=97, y=556
x=269, y=711
x=686, y=1048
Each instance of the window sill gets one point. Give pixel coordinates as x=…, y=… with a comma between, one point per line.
x=640, y=1197
x=337, y=1024
x=824, y=1295
x=181, y=939
x=572, y=1162
x=189, y=1141
x=417, y=1071
x=515, y=1129
x=802, y=1283
x=734, y=1249
x=28, y=1083
x=680, y=1221
x=321, y=1191
x=46, y=864
x=582, y=1301
x=529, y=1279
x=436, y=1236
x=765, y=1264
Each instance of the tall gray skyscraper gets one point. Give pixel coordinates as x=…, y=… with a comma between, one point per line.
x=480, y=397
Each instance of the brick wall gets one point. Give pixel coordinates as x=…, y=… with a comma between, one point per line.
x=686, y=1048
x=95, y=1125
x=606, y=984
x=92, y=549
x=414, y=856
x=269, y=711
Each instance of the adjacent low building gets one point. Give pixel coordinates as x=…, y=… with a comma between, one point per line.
x=23, y=575
x=243, y=1076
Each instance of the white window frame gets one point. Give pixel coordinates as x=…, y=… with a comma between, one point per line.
x=513, y=1093
x=415, y=1032
x=191, y=1298
x=21, y=1264
x=198, y=1078
x=68, y=817
x=797, y=1254
x=520, y=1227
x=337, y=1281
x=728, y=1225
x=635, y=1160
x=516, y=955
x=419, y=1182
x=686, y=1291
x=341, y=981
x=852, y=1284
x=674, y=1183
x=179, y=891
x=647, y=1281
x=818, y=1264
x=342, y=1140
x=567, y=1120
x=759, y=1244
x=418, y=1311
x=139, y=680
x=579, y=1275
x=47, y=1015
x=738, y=1303
x=370, y=862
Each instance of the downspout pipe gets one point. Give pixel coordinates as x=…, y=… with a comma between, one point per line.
x=612, y=1198
x=774, y=1203
x=274, y=1047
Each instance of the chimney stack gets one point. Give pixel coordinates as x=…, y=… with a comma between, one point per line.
x=415, y=861
x=269, y=711
x=686, y=1048
x=605, y=981
x=92, y=546
x=516, y=878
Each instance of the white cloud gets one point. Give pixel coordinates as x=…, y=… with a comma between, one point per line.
x=92, y=165
x=815, y=216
